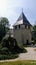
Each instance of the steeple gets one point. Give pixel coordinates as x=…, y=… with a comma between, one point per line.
x=22, y=20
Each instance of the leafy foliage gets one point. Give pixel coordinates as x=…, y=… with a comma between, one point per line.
x=9, y=56
x=34, y=33
x=4, y=27
x=9, y=48
x=12, y=45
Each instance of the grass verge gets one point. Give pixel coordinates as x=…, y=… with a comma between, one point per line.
x=23, y=62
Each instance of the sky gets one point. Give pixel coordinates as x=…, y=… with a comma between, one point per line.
x=12, y=9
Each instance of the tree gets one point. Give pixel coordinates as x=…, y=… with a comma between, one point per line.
x=5, y=22
x=34, y=36
x=4, y=27
x=2, y=32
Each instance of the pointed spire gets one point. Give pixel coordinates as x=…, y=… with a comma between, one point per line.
x=22, y=17
x=22, y=10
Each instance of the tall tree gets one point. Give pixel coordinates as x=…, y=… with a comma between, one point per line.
x=34, y=36
x=4, y=27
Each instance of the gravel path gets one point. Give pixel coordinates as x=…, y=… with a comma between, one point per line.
x=30, y=55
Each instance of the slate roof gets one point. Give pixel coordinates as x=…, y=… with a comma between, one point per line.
x=22, y=20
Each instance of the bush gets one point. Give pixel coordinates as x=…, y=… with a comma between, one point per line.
x=9, y=42
x=0, y=45
x=18, y=49
x=12, y=45
x=10, y=49
x=33, y=42
x=4, y=50
x=12, y=56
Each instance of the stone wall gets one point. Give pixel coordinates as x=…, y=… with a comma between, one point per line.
x=22, y=35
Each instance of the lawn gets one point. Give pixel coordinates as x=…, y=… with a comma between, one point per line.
x=24, y=62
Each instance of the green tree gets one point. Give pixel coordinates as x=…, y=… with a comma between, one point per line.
x=4, y=27
x=34, y=36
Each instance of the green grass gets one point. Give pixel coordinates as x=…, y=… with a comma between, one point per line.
x=24, y=62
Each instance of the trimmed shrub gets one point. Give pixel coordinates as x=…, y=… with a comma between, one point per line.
x=10, y=49
x=4, y=50
x=33, y=42
x=12, y=45
x=11, y=56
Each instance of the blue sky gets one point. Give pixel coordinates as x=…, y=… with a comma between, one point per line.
x=13, y=8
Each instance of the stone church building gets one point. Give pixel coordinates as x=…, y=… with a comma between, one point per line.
x=22, y=30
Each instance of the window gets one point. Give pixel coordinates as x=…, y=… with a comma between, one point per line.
x=25, y=26
x=28, y=27
x=15, y=27
x=19, y=26
x=27, y=42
